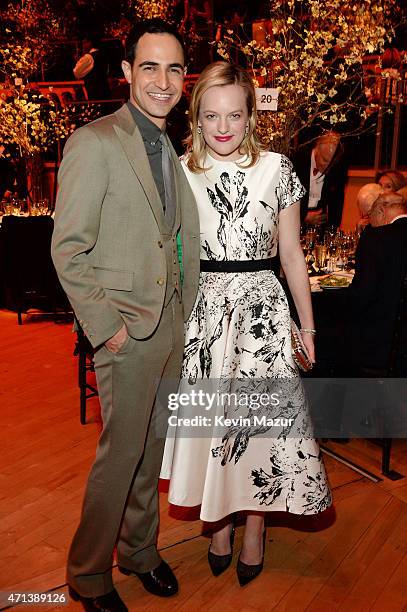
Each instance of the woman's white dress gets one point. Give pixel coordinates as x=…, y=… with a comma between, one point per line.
x=237, y=335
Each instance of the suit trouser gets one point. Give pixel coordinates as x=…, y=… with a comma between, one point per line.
x=121, y=498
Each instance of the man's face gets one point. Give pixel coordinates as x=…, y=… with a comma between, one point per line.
x=156, y=77
x=324, y=154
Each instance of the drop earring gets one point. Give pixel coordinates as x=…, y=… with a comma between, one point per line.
x=246, y=130
x=199, y=129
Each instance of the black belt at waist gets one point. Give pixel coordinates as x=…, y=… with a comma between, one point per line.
x=251, y=265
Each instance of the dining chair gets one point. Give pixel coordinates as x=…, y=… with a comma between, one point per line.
x=84, y=351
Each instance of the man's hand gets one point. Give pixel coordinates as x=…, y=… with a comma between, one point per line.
x=115, y=343
x=316, y=217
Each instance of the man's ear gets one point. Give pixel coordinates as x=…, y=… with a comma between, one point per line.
x=126, y=67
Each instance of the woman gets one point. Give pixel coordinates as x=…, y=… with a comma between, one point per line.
x=239, y=331
x=391, y=180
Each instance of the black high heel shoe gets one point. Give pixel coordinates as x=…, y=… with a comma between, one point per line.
x=220, y=563
x=246, y=573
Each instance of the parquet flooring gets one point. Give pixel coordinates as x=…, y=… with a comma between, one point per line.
x=352, y=558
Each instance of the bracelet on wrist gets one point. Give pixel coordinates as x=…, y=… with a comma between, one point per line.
x=307, y=330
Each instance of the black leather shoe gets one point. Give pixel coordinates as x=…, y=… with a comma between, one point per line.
x=246, y=573
x=220, y=563
x=160, y=581
x=110, y=602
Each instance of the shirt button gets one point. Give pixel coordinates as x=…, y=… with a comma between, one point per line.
x=160, y=281
x=160, y=244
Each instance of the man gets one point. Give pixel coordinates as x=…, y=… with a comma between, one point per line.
x=122, y=198
x=323, y=173
x=92, y=67
x=381, y=264
x=367, y=195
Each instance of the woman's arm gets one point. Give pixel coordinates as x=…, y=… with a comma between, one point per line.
x=295, y=270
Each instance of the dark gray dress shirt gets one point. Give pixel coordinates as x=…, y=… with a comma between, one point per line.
x=150, y=134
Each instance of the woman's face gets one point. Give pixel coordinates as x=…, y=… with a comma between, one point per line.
x=386, y=183
x=223, y=118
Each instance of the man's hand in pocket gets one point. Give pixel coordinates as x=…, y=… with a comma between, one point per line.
x=115, y=343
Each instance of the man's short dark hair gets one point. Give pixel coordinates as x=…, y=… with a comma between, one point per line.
x=150, y=26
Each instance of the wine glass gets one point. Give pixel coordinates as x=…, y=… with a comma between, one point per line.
x=333, y=253
x=8, y=208
x=320, y=256
x=16, y=206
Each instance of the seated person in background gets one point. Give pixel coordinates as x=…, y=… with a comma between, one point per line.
x=381, y=264
x=392, y=180
x=388, y=208
x=323, y=172
x=367, y=195
x=93, y=68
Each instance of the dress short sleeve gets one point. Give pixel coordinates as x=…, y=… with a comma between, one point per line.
x=290, y=189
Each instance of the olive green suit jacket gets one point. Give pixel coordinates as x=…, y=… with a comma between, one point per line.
x=108, y=244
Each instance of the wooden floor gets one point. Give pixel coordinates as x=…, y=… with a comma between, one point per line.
x=353, y=558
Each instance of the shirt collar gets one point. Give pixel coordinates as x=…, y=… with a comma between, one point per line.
x=398, y=217
x=148, y=130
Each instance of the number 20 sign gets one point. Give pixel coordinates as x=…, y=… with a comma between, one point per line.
x=266, y=98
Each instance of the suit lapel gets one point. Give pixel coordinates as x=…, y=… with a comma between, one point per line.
x=133, y=146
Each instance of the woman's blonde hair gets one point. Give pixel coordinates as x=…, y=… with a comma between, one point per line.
x=220, y=74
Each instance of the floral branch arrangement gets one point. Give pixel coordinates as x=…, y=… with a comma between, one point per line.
x=30, y=27
x=29, y=123
x=149, y=9
x=139, y=10
x=312, y=54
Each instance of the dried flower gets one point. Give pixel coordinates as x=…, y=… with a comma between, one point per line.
x=26, y=43
x=148, y=9
x=316, y=62
x=31, y=124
